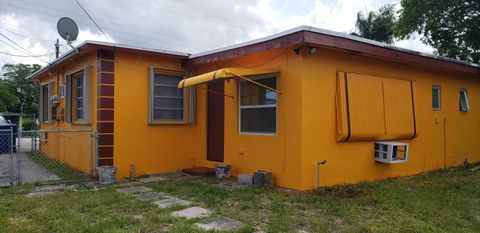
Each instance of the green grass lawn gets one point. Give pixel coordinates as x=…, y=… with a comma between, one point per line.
x=441, y=201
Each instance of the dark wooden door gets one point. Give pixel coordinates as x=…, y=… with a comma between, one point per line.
x=215, y=121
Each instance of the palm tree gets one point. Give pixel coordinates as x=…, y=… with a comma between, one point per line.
x=376, y=25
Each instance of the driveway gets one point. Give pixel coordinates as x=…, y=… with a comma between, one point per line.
x=29, y=170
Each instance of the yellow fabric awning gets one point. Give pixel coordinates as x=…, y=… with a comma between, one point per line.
x=225, y=73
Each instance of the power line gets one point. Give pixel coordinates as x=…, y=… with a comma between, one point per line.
x=111, y=30
x=209, y=20
x=19, y=55
x=22, y=35
x=12, y=46
x=105, y=34
x=113, y=23
x=15, y=43
x=26, y=51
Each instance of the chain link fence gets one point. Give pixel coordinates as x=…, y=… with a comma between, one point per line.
x=48, y=156
x=8, y=161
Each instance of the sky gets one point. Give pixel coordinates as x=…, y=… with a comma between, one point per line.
x=189, y=26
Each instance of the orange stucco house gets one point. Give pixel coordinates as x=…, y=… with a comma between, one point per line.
x=284, y=103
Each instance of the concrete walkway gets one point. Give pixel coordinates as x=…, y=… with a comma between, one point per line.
x=29, y=170
x=190, y=211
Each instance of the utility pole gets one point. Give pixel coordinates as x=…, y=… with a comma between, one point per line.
x=57, y=49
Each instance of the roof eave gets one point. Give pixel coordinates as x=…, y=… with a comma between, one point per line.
x=102, y=45
x=331, y=39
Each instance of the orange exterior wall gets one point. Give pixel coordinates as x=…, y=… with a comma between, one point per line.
x=280, y=153
x=151, y=148
x=350, y=162
x=306, y=120
x=73, y=149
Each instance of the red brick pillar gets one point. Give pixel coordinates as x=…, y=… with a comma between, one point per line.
x=105, y=105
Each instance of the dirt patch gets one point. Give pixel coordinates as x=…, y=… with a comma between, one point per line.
x=344, y=192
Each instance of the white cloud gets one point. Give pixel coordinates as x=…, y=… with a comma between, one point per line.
x=186, y=26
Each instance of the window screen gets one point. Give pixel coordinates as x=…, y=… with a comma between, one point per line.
x=464, y=106
x=168, y=100
x=436, y=98
x=258, y=106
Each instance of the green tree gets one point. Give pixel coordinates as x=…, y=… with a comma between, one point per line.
x=452, y=27
x=377, y=25
x=14, y=77
x=8, y=101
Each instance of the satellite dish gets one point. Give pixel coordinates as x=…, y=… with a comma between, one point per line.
x=68, y=29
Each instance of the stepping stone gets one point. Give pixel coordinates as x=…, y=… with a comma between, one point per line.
x=152, y=179
x=172, y=201
x=127, y=184
x=41, y=194
x=150, y=196
x=135, y=189
x=221, y=224
x=50, y=188
x=192, y=212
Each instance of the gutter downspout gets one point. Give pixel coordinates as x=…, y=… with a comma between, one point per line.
x=319, y=163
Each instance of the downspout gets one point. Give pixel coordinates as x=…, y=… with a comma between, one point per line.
x=319, y=163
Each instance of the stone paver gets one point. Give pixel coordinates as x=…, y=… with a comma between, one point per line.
x=152, y=179
x=49, y=188
x=41, y=194
x=172, y=201
x=134, y=189
x=127, y=184
x=221, y=224
x=150, y=196
x=192, y=212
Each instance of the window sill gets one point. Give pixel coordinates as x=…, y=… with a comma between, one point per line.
x=257, y=134
x=169, y=123
x=81, y=123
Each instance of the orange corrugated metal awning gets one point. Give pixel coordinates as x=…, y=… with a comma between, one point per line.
x=225, y=73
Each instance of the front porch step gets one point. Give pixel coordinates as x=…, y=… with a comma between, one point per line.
x=200, y=171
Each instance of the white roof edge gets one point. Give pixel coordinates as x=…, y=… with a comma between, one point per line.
x=124, y=46
x=250, y=42
x=115, y=45
x=336, y=34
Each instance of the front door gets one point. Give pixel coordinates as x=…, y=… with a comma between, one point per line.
x=215, y=121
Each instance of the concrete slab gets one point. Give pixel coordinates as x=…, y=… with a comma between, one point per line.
x=192, y=212
x=172, y=201
x=221, y=224
x=48, y=188
x=150, y=196
x=134, y=189
x=152, y=179
x=41, y=194
x=475, y=168
x=127, y=184
x=246, y=179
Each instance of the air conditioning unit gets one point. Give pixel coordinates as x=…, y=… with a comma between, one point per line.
x=391, y=152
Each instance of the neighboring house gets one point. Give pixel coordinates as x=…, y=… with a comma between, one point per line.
x=318, y=95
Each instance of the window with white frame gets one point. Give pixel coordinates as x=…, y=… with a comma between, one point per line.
x=464, y=106
x=168, y=101
x=436, y=99
x=258, y=106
